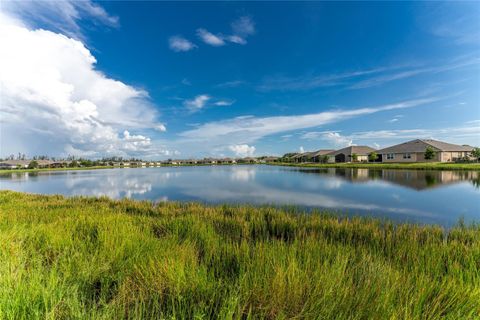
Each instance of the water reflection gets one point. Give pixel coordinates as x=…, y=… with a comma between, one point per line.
x=415, y=179
x=396, y=194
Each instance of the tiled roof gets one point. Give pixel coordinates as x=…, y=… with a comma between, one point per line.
x=419, y=145
x=321, y=152
x=359, y=150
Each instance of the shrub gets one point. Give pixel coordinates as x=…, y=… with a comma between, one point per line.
x=33, y=164
x=429, y=153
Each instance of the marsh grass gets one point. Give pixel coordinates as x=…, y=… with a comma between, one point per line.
x=96, y=258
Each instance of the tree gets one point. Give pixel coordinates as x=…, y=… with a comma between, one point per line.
x=73, y=164
x=429, y=153
x=373, y=156
x=324, y=158
x=33, y=164
x=476, y=153
x=354, y=157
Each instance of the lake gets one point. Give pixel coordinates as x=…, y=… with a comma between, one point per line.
x=441, y=197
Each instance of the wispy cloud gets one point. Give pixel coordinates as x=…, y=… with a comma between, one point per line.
x=455, y=22
x=224, y=103
x=210, y=38
x=242, y=28
x=451, y=134
x=201, y=101
x=230, y=84
x=197, y=103
x=249, y=128
x=308, y=82
x=382, y=79
x=60, y=16
x=180, y=44
x=457, y=133
x=360, y=79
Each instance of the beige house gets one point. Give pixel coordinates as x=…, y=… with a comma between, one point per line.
x=346, y=154
x=414, y=151
x=319, y=154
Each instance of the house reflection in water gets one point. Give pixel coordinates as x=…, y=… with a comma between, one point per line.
x=415, y=179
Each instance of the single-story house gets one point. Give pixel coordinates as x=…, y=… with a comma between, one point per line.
x=303, y=157
x=209, y=161
x=414, y=151
x=269, y=159
x=247, y=160
x=227, y=161
x=14, y=164
x=346, y=154
x=318, y=155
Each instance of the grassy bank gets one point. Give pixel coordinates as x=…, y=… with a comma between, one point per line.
x=413, y=166
x=95, y=258
x=9, y=171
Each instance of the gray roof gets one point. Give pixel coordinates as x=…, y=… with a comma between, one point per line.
x=419, y=145
x=27, y=162
x=321, y=152
x=304, y=154
x=359, y=150
x=16, y=162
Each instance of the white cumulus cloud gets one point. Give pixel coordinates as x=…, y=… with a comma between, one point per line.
x=242, y=150
x=337, y=140
x=55, y=101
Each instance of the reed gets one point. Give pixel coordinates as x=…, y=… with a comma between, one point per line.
x=97, y=258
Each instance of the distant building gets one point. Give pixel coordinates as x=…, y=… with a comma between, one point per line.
x=14, y=164
x=247, y=160
x=303, y=157
x=319, y=154
x=346, y=154
x=414, y=151
x=270, y=159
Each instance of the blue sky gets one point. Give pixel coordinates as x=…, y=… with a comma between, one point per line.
x=202, y=79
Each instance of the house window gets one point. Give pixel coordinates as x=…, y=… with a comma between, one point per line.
x=390, y=156
x=407, y=156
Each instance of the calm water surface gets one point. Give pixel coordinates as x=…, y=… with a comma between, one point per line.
x=441, y=197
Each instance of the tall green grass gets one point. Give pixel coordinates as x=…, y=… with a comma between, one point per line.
x=96, y=258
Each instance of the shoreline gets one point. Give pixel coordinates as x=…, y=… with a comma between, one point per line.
x=407, y=166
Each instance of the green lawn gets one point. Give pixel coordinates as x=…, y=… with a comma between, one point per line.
x=9, y=171
x=96, y=258
x=416, y=166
